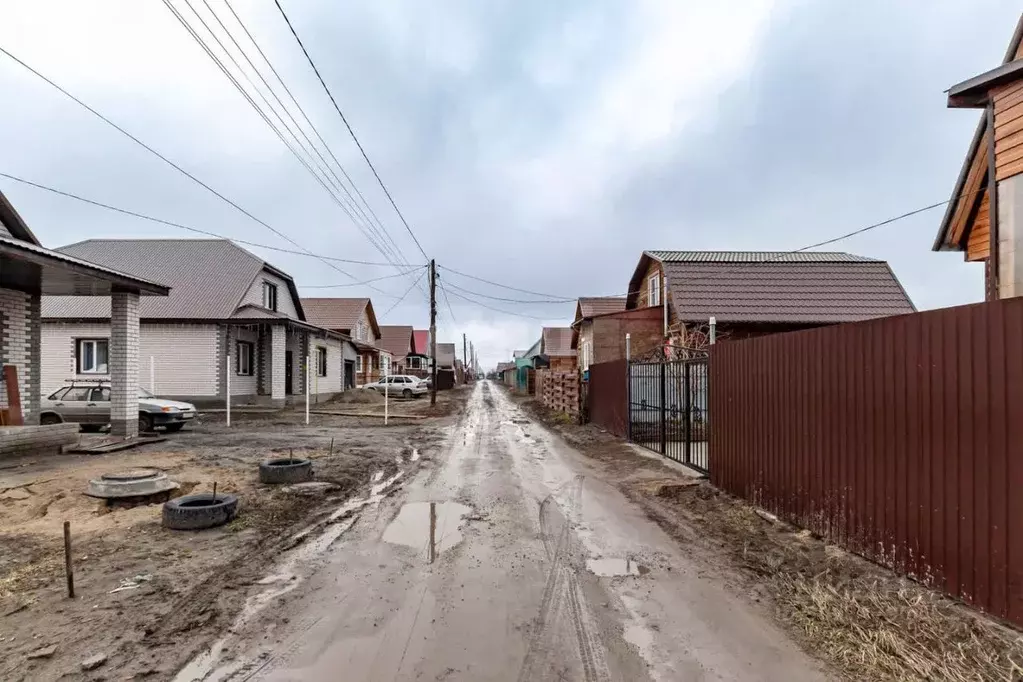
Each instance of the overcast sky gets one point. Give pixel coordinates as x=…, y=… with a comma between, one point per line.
x=539, y=144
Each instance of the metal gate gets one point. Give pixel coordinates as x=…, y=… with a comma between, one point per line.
x=668, y=404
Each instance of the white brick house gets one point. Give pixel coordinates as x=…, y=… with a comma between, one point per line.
x=224, y=302
x=27, y=273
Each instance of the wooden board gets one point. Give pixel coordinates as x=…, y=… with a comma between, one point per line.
x=965, y=202
x=978, y=246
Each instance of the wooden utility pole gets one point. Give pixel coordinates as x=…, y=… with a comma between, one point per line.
x=433, y=332
x=465, y=360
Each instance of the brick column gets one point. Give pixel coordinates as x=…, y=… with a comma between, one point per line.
x=277, y=347
x=124, y=364
x=33, y=401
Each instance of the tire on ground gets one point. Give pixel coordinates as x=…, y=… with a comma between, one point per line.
x=194, y=512
x=287, y=470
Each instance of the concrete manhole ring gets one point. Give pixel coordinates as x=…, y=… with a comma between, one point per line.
x=137, y=483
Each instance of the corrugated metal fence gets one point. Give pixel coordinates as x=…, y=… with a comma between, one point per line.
x=899, y=438
x=607, y=400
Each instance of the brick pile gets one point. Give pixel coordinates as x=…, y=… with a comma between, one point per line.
x=558, y=391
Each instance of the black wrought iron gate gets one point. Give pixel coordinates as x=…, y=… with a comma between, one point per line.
x=668, y=409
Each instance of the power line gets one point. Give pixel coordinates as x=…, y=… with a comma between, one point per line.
x=498, y=310
x=447, y=301
x=510, y=300
x=181, y=226
x=166, y=160
x=503, y=286
x=402, y=298
x=350, y=131
x=367, y=281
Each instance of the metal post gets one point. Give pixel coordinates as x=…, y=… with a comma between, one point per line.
x=713, y=330
x=433, y=332
x=308, y=374
x=387, y=392
x=664, y=411
x=152, y=375
x=687, y=407
x=227, y=389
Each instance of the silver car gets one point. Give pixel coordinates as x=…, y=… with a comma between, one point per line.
x=400, y=385
x=88, y=403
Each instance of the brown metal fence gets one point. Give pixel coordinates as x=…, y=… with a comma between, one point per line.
x=607, y=399
x=899, y=438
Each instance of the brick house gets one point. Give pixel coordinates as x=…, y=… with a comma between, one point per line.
x=225, y=305
x=763, y=292
x=399, y=341
x=355, y=318
x=556, y=348
x=28, y=273
x=600, y=326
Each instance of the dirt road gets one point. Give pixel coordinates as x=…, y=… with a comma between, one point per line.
x=503, y=559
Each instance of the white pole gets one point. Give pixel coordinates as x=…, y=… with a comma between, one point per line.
x=387, y=390
x=152, y=375
x=628, y=346
x=307, y=375
x=713, y=330
x=227, y=371
x=664, y=301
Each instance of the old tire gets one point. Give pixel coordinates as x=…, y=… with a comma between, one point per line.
x=287, y=470
x=194, y=512
x=407, y=393
x=145, y=423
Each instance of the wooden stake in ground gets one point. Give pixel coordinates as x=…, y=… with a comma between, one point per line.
x=433, y=531
x=68, y=568
x=214, y=491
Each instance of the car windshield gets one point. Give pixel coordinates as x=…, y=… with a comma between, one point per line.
x=143, y=393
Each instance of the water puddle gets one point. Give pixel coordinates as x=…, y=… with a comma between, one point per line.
x=432, y=527
x=377, y=476
x=613, y=567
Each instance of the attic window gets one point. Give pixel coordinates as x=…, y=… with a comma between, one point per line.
x=270, y=295
x=653, y=286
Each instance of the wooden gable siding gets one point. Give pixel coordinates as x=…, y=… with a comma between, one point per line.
x=644, y=292
x=978, y=245
x=974, y=183
x=1008, y=130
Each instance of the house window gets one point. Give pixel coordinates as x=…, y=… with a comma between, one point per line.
x=414, y=363
x=653, y=290
x=321, y=361
x=92, y=356
x=270, y=295
x=243, y=358
x=385, y=364
x=358, y=364
x=585, y=355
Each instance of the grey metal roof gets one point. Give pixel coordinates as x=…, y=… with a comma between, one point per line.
x=786, y=292
x=208, y=277
x=758, y=257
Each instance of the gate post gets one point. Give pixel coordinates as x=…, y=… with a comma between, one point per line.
x=664, y=411
x=687, y=408
x=628, y=398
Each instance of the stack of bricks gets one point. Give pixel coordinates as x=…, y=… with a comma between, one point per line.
x=558, y=391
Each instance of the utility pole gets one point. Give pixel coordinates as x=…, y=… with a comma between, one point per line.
x=465, y=359
x=433, y=332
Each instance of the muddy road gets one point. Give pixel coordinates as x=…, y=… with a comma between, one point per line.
x=505, y=557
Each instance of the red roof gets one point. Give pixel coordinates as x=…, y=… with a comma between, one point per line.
x=421, y=340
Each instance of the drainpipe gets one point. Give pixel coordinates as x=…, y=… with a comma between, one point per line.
x=227, y=373
x=628, y=346
x=992, y=193
x=664, y=300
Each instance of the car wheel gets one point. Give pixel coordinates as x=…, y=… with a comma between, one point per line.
x=174, y=428
x=407, y=393
x=145, y=423
x=50, y=419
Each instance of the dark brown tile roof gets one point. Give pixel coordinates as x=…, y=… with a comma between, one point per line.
x=601, y=305
x=395, y=339
x=557, y=342
x=334, y=313
x=799, y=292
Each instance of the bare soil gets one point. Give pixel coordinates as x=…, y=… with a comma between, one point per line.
x=189, y=584
x=864, y=621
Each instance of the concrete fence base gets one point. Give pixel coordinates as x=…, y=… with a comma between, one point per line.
x=20, y=440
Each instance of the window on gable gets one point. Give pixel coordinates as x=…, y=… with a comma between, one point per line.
x=92, y=356
x=243, y=358
x=654, y=290
x=270, y=295
x=358, y=363
x=321, y=361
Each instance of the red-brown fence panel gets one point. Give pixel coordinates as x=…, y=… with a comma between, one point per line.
x=608, y=396
x=899, y=438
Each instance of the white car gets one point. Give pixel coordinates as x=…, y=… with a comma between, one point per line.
x=400, y=385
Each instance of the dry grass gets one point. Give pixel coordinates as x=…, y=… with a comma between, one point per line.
x=864, y=620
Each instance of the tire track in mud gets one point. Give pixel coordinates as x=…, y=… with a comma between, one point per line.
x=563, y=598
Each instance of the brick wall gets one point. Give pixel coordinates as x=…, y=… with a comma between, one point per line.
x=645, y=327
x=124, y=364
x=19, y=335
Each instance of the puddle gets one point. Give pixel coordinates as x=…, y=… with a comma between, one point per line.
x=612, y=567
x=412, y=527
x=377, y=476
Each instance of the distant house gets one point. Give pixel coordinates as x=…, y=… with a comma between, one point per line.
x=29, y=273
x=507, y=372
x=754, y=293
x=445, y=366
x=399, y=342
x=556, y=348
x=224, y=303
x=984, y=218
x=355, y=318
x=601, y=325
x=418, y=363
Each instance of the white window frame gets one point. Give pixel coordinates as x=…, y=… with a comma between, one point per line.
x=358, y=363
x=586, y=355
x=244, y=355
x=321, y=361
x=97, y=368
x=385, y=364
x=269, y=295
x=653, y=289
